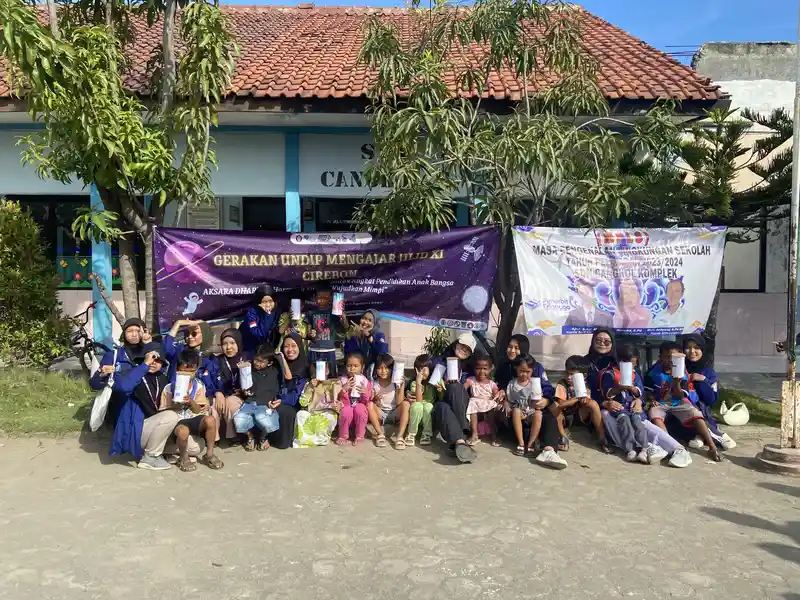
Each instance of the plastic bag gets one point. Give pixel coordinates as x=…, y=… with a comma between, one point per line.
x=100, y=405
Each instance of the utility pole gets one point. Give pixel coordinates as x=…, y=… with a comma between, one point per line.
x=785, y=458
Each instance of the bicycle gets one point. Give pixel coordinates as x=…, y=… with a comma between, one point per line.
x=84, y=347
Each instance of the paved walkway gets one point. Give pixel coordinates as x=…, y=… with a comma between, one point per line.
x=376, y=523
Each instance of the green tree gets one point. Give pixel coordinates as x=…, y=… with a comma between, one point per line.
x=709, y=174
x=545, y=163
x=98, y=132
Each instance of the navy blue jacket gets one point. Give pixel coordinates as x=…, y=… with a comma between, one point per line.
x=258, y=328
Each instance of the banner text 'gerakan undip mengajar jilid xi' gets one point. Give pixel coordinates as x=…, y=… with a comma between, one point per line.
x=443, y=278
x=636, y=281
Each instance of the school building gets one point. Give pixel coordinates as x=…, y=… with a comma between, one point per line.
x=293, y=138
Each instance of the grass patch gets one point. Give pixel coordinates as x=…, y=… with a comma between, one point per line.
x=761, y=413
x=41, y=402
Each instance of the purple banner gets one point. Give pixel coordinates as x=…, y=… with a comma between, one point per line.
x=440, y=279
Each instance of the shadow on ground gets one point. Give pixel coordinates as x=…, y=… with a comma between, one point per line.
x=791, y=530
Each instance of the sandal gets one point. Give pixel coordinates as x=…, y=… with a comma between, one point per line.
x=250, y=445
x=357, y=441
x=473, y=442
x=399, y=444
x=563, y=444
x=380, y=441
x=263, y=445
x=715, y=455
x=425, y=440
x=604, y=447
x=341, y=441
x=411, y=439
x=520, y=451
x=187, y=466
x=495, y=444
x=213, y=462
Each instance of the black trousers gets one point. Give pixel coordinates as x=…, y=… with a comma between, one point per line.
x=450, y=414
x=284, y=436
x=548, y=435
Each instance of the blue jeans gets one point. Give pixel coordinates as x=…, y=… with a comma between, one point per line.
x=255, y=415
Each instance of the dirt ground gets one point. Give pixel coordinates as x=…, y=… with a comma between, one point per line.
x=345, y=523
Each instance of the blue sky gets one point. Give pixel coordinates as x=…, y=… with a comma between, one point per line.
x=670, y=22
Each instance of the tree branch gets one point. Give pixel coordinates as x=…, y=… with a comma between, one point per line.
x=107, y=299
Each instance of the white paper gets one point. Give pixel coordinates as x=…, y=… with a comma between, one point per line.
x=436, y=376
x=679, y=366
x=320, y=367
x=245, y=375
x=537, y=388
x=398, y=372
x=338, y=304
x=452, y=369
x=626, y=373
x=579, y=385
x=182, y=381
x=297, y=309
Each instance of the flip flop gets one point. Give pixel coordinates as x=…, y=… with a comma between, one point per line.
x=465, y=454
x=563, y=444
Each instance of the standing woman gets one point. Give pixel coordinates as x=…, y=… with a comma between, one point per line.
x=260, y=325
x=223, y=378
x=366, y=338
x=293, y=381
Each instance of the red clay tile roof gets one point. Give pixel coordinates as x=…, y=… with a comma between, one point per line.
x=289, y=52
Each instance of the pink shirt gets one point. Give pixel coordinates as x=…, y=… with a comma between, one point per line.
x=366, y=394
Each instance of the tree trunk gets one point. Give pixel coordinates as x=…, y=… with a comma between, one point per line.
x=151, y=302
x=710, y=334
x=507, y=293
x=52, y=14
x=127, y=273
x=168, y=49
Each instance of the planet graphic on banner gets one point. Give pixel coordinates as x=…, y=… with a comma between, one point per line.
x=475, y=298
x=183, y=261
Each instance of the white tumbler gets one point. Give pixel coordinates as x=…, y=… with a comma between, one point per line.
x=182, y=381
x=536, y=384
x=679, y=365
x=626, y=373
x=320, y=370
x=579, y=385
x=398, y=372
x=452, y=369
x=297, y=309
x=436, y=376
x=338, y=304
x=245, y=375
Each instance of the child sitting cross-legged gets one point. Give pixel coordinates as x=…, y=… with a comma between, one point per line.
x=484, y=398
x=522, y=403
x=625, y=404
x=320, y=410
x=421, y=396
x=261, y=400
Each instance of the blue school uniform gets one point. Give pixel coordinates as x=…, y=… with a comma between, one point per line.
x=609, y=378
x=370, y=350
x=258, y=328
x=659, y=384
x=173, y=349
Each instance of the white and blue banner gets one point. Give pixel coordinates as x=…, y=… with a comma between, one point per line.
x=634, y=281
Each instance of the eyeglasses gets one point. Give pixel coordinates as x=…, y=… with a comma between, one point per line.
x=602, y=342
x=192, y=333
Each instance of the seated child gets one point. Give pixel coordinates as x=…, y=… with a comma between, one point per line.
x=194, y=412
x=388, y=404
x=355, y=396
x=421, y=396
x=261, y=400
x=668, y=397
x=319, y=414
x=625, y=404
x=522, y=405
x=485, y=397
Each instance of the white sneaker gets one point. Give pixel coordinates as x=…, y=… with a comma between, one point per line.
x=153, y=463
x=631, y=456
x=642, y=457
x=655, y=454
x=727, y=442
x=697, y=444
x=550, y=458
x=680, y=458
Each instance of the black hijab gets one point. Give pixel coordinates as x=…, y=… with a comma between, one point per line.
x=696, y=366
x=602, y=361
x=228, y=367
x=148, y=392
x=135, y=352
x=505, y=367
x=298, y=366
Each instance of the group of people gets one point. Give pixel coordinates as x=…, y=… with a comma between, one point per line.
x=277, y=383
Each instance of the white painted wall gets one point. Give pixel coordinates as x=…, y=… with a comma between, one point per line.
x=18, y=179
